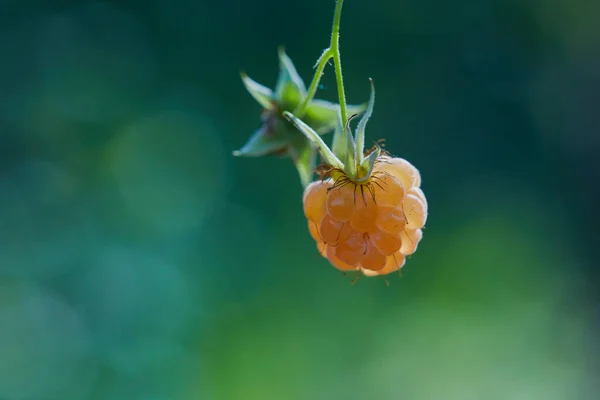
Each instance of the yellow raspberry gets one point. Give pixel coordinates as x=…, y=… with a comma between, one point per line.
x=365, y=213
x=332, y=231
x=393, y=263
x=314, y=199
x=340, y=203
x=415, y=209
x=402, y=170
x=314, y=231
x=410, y=241
x=352, y=249
x=336, y=262
x=390, y=191
x=386, y=243
x=373, y=259
x=391, y=219
x=371, y=225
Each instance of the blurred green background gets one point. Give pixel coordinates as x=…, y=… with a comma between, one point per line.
x=140, y=260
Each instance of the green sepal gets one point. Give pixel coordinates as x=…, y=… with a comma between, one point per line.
x=362, y=124
x=289, y=98
x=262, y=94
x=368, y=164
x=316, y=140
x=290, y=89
x=279, y=133
x=272, y=137
x=304, y=157
x=351, y=156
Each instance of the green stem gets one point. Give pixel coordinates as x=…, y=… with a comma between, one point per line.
x=314, y=85
x=335, y=49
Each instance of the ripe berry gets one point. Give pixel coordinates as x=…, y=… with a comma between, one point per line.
x=373, y=259
x=352, y=249
x=340, y=203
x=371, y=225
x=332, y=231
x=365, y=214
x=315, y=196
x=390, y=220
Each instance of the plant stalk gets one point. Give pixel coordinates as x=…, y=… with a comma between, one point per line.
x=335, y=50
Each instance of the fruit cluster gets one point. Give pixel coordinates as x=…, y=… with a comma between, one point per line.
x=371, y=226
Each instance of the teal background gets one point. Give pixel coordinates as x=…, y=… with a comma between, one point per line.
x=140, y=260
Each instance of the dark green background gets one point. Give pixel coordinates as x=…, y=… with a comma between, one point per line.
x=140, y=260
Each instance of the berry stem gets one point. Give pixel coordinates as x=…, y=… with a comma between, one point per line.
x=335, y=49
x=345, y=157
x=314, y=85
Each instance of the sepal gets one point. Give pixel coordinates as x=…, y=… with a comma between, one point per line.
x=316, y=140
x=262, y=94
